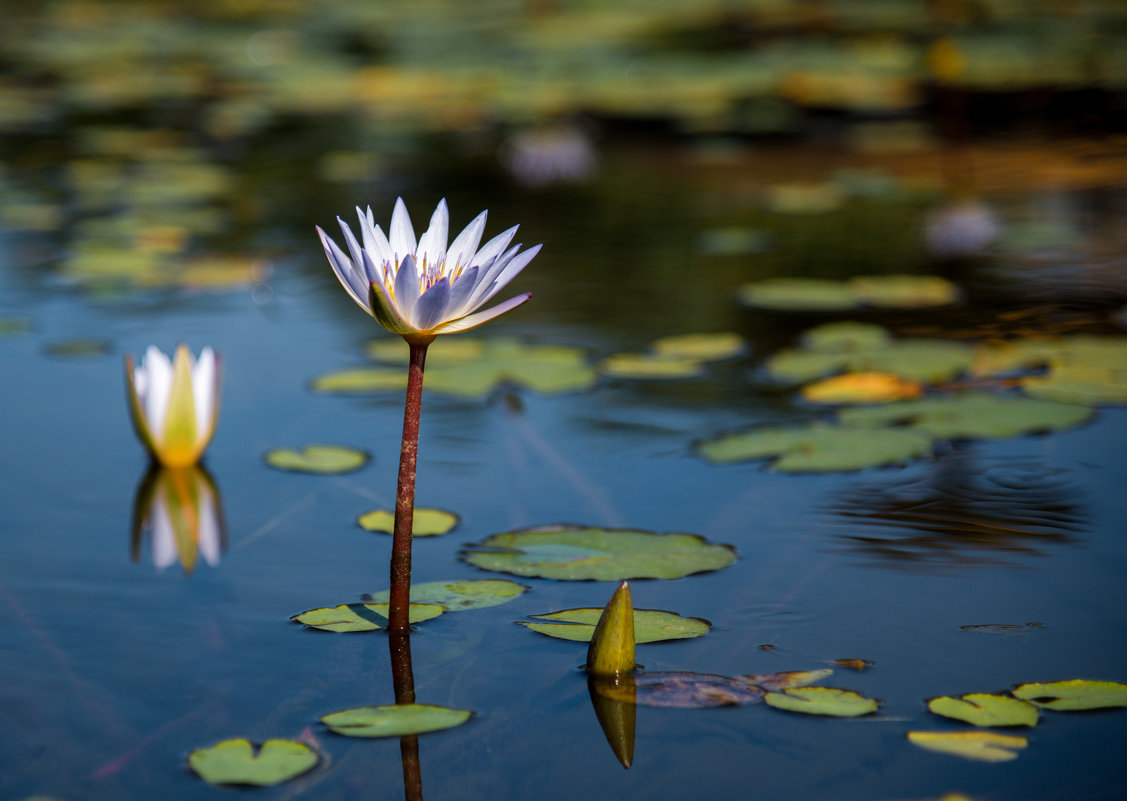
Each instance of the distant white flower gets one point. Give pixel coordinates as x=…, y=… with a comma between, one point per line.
x=963, y=228
x=550, y=155
x=422, y=288
x=174, y=404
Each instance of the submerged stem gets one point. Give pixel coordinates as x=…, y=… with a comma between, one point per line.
x=400, y=599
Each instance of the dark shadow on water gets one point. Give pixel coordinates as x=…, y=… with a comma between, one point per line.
x=964, y=512
x=403, y=679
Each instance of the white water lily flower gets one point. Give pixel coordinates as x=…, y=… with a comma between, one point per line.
x=422, y=288
x=174, y=403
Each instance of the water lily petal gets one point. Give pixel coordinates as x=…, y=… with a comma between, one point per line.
x=460, y=291
x=487, y=284
x=205, y=392
x=134, y=378
x=474, y=320
x=462, y=249
x=432, y=305
x=406, y=288
x=402, y=235
x=517, y=263
x=432, y=244
x=385, y=312
x=375, y=241
x=495, y=246
x=357, y=260
x=177, y=441
x=347, y=276
x=157, y=374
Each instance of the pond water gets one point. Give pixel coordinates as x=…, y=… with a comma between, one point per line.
x=113, y=667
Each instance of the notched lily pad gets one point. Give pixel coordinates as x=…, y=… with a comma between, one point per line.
x=981, y=746
x=425, y=522
x=700, y=347
x=930, y=361
x=361, y=617
x=237, y=762
x=359, y=381
x=456, y=596
x=645, y=366
x=817, y=448
x=394, y=720
x=650, y=625
x=1073, y=695
x=577, y=553
x=323, y=459
x=823, y=701
x=681, y=690
x=984, y=709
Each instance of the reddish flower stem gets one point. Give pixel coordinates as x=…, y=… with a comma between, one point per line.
x=405, y=494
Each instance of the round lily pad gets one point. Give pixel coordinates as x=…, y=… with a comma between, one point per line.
x=983, y=709
x=644, y=366
x=928, y=360
x=1074, y=694
x=456, y=596
x=542, y=368
x=797, y=294
x=359, y=380
x=577, y=553
x=774, y=682
x=1079, y=385
x=846, y=336
x=394, y=720
x=981, y=746
x=817, y=447
x=324, y=459
x=443, y=351
x=650, y=625
x=903, y=291
x=976, y=415
x=681, y=690
x=700, y=347
x=361, y=617
x=860, y=388
x=424, y=523
x=237, y=762
x=823, y=701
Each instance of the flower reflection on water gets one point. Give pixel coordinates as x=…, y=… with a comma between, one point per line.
x=180, y=509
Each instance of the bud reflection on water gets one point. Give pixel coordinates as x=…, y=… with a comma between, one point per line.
x=180, y=509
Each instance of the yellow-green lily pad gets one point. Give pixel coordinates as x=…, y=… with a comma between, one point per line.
x=903, y=291
x=1073, y=695
x=1079, y=385
x=542, y=368
x=456, y=596
x=817, y=447
x=395, y=720
x=645, y=366
x=14, y=326
x=361, y=617
x=443, y=351
x=846, y=336
x=424, y=523
x=981, y=746
x=775, y=682
x=650, y=625
x=797, y=294
x=359, y=380
x=237, y=762
x=830, y=701
x=578, y=553
x=984, y=709
x=712, y=347
x=975, y=415
x=324, y=459
x=928, y=360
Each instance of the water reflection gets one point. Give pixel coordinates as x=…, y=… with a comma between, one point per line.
x=181, y=510
x=613, y=700
x=964, y=512
x=403, y=680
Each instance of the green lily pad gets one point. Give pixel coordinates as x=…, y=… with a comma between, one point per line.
x=361, y=617
x=443, y=351
x=650, y=625
x=823, y=701
x=928, y=360
x=359, y=380
x=700, y=347
x=1079, y=385
x=644, y=366
x=578, y=553
x=1073, y=695
x=817, y=447
x=981, y=746
x=394, y=720
x=236, y=762
x=424, y=523
x=797, y=294
x=971, y=416
x=983, y=709
x=78, y=348
x=903, y=291
x=681, y=690
x=1080, y=351
x=456, y=596
x=846, y=336
x=542, y=368
x=324, y=459
x=14, y=326
x=774, y=682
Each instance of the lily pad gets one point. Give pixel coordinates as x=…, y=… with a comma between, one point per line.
x=823, y=701
x=78, y=348
x=1074, y=694
x=852, y=388
x=817, y=447
x=928, y=360
x=774, y=682
x=983, y=709
x=681, y=690
x=395, y=720
x=578, y=553
x=359, y=380
x=424, y=523
x=816, y=294
x=541, y=368
x=361, y=617
x=797, y=294
x=650, y=625
x=443, y=351
x=846, y=336
x=1079, y=385
x=700, y=347
x=324, y=459
x=14, y=326
x=975, y=415
x=456, y=596
x=903, y=291
x=236, y=762
x=644, y=366
x=981, y=746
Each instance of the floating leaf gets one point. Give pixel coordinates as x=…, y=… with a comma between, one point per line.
x=611, y=651
x=456, y=596
x=903, y=291
x=78, y=348
x=861, y=388
x=642, y=366
x=1079, y=385
x=14, y=326
x=700, y=347
x=236, y=762
x=542, y=368
x=682, y=690
x=650, y=625
x=394, y=720
x=361, y=617
x=983, y=709
x=884, y=291
x=975, y=415
x=797, y=294
x=325, y=459
x=823, y=701
x=359, y=380
x=424, y=523
x=846, y=336
x=929, y=360
x=983, y=746
x=443, y=351
x=774, y=682
x=576, y=553
x=817, y=447
x=1074, y=694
